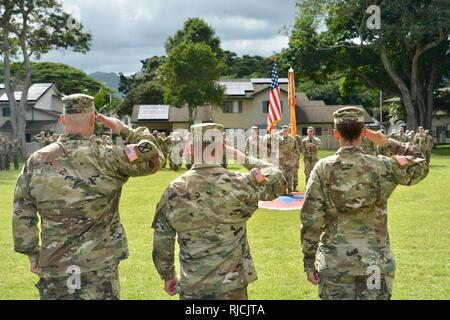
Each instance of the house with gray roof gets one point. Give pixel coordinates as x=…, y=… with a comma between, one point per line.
x=43, y=108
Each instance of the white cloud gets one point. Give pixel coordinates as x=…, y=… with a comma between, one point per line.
x=127, y=31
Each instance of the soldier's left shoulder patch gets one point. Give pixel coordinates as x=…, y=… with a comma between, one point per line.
x=401, y=160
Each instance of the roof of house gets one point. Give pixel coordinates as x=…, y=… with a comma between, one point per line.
x=246, y=87
x=323, y=114
x=165, y=113
x=45, y=125
x=35, y=92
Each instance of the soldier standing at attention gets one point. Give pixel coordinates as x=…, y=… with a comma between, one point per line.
x=344, y=234
x=74, y=187
x=16, y=153
x=430, y=145
x=421, y=141
x=298, y=139
x=400, y=136
x=207, y=209
x=3, y=153
x=254, y=144
x=289, y=152
x=310, y=148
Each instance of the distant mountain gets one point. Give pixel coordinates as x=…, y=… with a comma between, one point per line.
x=110, y=79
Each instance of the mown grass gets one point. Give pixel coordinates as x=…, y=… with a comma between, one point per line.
x=419, y=219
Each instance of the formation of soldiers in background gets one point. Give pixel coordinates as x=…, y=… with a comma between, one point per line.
x=423, y=140
x=10, y=151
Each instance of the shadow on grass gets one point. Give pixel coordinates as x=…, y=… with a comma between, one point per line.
x=442, y=150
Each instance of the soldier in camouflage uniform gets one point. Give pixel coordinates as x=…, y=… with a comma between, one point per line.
x=421, y=141
x=310, y=148
x=289, y=152
x=411, y=136
x=207, y=209
x=3, y=153
x=430, y=145
x=399, y=135
x=41, y=139
x=16, y=153
x=368, y=146
x=73, y=187
x=344, y=233
x=298, y=139
x=254, y=145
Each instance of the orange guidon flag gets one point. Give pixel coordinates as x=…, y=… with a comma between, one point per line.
x=291, y=93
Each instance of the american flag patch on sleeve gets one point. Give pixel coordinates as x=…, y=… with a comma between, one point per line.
x=401, y=160
x=131, y=153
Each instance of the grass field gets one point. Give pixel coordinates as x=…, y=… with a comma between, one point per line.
x=419, y=224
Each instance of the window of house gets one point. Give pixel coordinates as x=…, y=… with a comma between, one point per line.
x=232, y=107
x=6, y=112
x=265, y=106
x=447, y=133
x=28, y=137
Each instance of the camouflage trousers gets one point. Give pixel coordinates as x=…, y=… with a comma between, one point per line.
x=355, y=288
x=288, y=171
x=428, y=156
x=238, y=294
x=16, y=159
x=95, y=285
x=297, y=167
x=309, y=165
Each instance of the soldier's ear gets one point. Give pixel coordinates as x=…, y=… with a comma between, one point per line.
x=336, y=134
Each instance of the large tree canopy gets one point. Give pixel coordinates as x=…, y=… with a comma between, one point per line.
x=67, y=79
x=407, y=56
x=31, y=28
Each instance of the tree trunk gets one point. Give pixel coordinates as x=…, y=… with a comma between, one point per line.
x=406, y=95
x=191, y=116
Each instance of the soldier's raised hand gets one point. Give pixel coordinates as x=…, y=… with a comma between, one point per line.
x=376, y=137
x=114, y=124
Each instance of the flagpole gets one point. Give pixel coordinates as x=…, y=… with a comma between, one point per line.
x=291, y=98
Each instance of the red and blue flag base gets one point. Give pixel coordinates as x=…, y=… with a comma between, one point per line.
x=284, y=203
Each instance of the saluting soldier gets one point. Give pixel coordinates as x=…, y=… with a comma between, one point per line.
x=73, y=188
x=207, y=209
x=344, y=234
x=289, y=152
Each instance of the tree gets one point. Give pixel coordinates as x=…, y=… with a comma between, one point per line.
x=406, y=57
x=190, y=76
x=195, y=30
x=143, y=87
x=68, y=80
x=246, y=66
x=31, y=28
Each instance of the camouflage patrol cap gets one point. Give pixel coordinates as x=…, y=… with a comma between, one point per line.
x=78, y=103
x=311, y=128
x=285, y=128
x=420, y=127
x=347, y=114
x=207, y=132
x=254, y=128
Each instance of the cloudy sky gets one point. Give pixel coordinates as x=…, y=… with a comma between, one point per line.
x=127, y=31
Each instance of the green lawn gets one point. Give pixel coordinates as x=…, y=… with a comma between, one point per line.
x=419, y=228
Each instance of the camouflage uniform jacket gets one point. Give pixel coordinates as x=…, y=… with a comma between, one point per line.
x=75, y=185
x=289, y=151
x=254, y=146
x=310, y=147
x=344, y=216
x=421, y=141
x=208, y=208
x=368, y=146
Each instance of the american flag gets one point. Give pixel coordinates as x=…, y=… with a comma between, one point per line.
x=274, y=114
